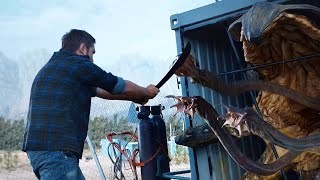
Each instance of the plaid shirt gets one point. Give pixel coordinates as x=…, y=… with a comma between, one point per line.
x=60, y=102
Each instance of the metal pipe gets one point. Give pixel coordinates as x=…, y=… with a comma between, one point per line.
x=103, y=177
x=171, y=175
x=269, y=64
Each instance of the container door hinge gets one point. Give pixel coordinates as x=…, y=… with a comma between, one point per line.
x=178, y=82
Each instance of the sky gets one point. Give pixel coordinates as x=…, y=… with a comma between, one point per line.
x=121, y=28
x=134, y=39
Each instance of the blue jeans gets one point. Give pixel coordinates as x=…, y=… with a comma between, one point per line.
x=54, y=165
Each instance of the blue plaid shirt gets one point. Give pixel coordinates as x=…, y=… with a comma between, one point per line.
x=60, y=102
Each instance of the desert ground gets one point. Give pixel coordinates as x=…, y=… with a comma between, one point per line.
x=22, y=169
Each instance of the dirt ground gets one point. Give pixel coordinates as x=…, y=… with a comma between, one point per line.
x=87, y=164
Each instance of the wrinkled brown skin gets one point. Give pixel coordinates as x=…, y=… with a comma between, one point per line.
x=190, y=105
x=288, y=36
x=208, y=79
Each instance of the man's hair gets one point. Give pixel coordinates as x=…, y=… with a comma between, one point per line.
x=71, y=40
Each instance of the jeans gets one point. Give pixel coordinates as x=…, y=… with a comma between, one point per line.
x=54, y=165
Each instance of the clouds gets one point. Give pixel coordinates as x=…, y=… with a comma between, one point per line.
x=120, y=27
x=134, y=38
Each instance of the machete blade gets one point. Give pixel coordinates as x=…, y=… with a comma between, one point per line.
x=182, y=58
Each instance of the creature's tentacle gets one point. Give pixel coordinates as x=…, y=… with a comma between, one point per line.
x=210, y=80
x=248, y=117
x=248, y=164
x=266, y=131
x=206, y=111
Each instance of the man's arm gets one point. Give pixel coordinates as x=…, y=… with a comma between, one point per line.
x=113, y=87
x=132, y=92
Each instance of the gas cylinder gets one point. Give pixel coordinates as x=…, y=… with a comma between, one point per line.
x=146, y=144
x=160, y=141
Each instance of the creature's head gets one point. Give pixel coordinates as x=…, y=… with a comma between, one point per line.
x=236, y=118
x=184, y=104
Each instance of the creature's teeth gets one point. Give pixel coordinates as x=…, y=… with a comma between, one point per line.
x=245, y=128
x=227, y=123
x=189, y=111
x=241, y=119
x=239, y=130
x=230, y=122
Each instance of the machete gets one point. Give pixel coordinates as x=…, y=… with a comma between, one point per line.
x=182, y=58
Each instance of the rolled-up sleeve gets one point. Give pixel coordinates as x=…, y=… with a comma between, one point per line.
x=119, y=87
x=92, y=75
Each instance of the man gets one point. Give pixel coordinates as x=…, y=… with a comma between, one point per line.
x=60, y=102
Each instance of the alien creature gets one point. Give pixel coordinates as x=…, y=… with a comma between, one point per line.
x=289, y=93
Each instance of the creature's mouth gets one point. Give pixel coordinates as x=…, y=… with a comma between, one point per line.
x=269, y=33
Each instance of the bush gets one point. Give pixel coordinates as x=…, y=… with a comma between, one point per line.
x=11, y=134
x=10, y=161
x=99, y=127
x=181, y=156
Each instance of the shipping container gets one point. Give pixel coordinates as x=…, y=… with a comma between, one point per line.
x=206, y=28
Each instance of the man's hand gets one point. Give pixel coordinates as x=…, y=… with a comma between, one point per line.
x=133, y=92
x=151, y=92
